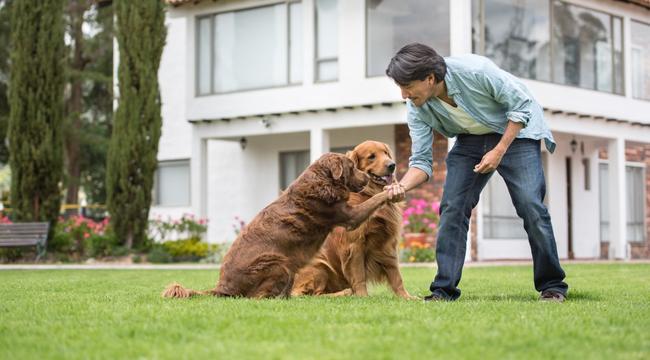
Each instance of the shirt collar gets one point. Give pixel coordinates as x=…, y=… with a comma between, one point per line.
x=452, y=87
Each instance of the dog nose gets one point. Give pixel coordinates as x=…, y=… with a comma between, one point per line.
x=391, y=167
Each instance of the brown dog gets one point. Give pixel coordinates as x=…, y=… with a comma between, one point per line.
x=350, y=259
x=285, y=236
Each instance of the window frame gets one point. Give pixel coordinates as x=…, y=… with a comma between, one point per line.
x=212, y=16
x=155, y=200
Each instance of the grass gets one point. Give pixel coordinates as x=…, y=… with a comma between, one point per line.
x=108, y=314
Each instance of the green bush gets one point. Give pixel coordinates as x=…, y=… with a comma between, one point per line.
x=158, y=255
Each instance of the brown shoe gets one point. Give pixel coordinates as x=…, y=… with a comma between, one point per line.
x=552, y=296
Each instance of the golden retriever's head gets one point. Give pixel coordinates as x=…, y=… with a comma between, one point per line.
x=375, y=159
x=342, y=169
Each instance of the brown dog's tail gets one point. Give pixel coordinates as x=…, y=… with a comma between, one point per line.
x=176, y=290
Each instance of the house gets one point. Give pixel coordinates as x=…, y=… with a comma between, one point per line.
x=254, y=90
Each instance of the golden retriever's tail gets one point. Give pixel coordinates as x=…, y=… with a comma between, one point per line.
x=176, y=290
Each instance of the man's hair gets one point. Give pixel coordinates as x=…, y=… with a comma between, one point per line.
x=415, y=62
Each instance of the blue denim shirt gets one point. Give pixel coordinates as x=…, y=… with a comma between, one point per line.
x=488, y=94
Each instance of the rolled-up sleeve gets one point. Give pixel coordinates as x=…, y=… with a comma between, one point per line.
x=508, y=91
x=421, y=142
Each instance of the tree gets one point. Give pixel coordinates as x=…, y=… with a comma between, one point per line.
x=36, y=109
x=137, y=125
x=89, y=103
x=4, y=77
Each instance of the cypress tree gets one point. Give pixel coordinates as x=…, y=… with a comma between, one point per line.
x=137, y=123
x=36, y=109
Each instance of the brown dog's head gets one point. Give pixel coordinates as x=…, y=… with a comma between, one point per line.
x=375, y=159
x=343, y=171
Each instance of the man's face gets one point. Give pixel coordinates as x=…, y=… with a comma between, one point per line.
x=419, y=91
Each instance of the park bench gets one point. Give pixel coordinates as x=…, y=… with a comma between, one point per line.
x=25, y=234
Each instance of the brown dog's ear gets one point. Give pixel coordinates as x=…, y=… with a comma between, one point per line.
x=336, y=167
x=352, y=155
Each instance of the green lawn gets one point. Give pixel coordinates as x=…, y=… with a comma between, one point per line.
x=119, y=314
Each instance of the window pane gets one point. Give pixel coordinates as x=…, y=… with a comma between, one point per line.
x=204, y=66
x=251, y=48
x=395, y=23
x=500, y=219
x=603, y=180
x=640, y=45
x=326, y=29
x=295, y=43
x=517, y=36
x=292, y=164
x=583, y=47
x=174, y=184
x=328, y=70
x=618, y=54
x=635, y=207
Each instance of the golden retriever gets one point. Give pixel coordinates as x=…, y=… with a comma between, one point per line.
x=349, y=259
x=285, y=235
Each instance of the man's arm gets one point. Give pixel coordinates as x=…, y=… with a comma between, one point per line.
x=411, y=179
x=492, y=159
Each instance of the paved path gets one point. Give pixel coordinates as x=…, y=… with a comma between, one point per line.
x=109, y=266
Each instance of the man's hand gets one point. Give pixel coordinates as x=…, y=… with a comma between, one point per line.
x=489, y=162
x=396, y=192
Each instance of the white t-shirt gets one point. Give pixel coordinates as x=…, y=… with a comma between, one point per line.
x=464, y=120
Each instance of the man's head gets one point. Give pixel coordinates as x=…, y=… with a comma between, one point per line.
x=417, y=69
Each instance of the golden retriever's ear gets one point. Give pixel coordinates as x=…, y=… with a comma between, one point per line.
x=336, y=167
x=352, y=155
x=389, y=151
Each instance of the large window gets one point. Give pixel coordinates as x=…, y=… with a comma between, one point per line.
x=392, y=24
x=516, y=35
x=640, y=60
x=635, y=198
x=500, y=219
x=249, y=49
x=327, y=51
x=172, y=184
x=551, y=40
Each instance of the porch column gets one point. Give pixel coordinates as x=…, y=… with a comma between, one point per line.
x=617, y=199
x=460, y=29
x=198, y=174
x=319, y=143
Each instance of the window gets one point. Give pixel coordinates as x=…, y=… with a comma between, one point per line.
x=587, y=48
x=515, y=36
x=292, y=164
x=500, y=219
x=327, y=40
x=249, y=49
x=583, y=47
x=640, y=45
x=172, y=183
x=635, y=197
x=392, y=24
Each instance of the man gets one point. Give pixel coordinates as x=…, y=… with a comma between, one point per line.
x=498, y=126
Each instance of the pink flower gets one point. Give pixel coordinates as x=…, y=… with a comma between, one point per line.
x=433, y=226
x=86, y=235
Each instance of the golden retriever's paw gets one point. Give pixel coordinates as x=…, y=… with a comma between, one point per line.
x=176, y=290
x=409, y=297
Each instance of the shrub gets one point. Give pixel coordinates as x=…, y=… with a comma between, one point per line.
x=420, y=216
x=418, y=252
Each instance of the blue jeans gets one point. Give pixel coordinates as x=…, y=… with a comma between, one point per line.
x=521, y=168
